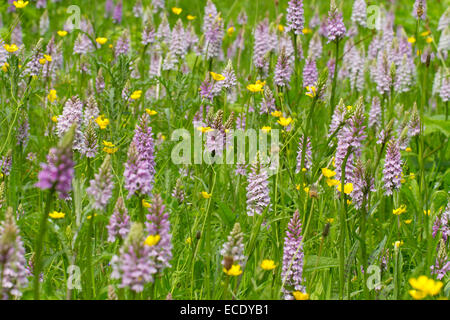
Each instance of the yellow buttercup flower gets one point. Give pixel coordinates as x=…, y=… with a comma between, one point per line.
x=426, y=212
x=206, y=195
x=152, y=240
x=266, y=129
x=20, y=4
x=348, y=188
x=42, y=61
x=230, y=31
x=411, y=40
x=5, y=67
x=151, y=112
x=268, y=265
x=397, y=244
x=146, y=204
x=255, y=88
x=327, y=173
x=400, y=210
x=204, y=129
x=425, y=33
x=176, y=10
x=48, y=58
x=217, y=76
x=330, y=220
x=191, y=17
x=276, y=113
x=417, y=294
x=109, y=147
x=429, y=40
x=62, y=33
x=402, y=179
x=52, y=95
x=90, y=217
x=412, y=176
x=56, y=215
x=110, y=150
x=311, y=91
x=285, y=121
x=306, y=30
x=234, y=271
x=332, y=182
x=424, y=286
x=101, y=40
x=298, y=295
x=54, y=119
x=11, y=47
x=136, y=95
x=407, y=221
x=108, y=144
x=408, y=149
x=102, y=122
x=280, y=28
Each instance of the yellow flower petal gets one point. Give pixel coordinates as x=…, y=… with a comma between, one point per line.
x=176, y=10
x=56, y=215
x=298, y=295
x=205, y=194
x=20, y=4
x=268, y=265
x=327, y=173
x=285, y=121
x=217, y=76
x=101, y=40
x=152, y=240
x=234, y=271
x=11, y=47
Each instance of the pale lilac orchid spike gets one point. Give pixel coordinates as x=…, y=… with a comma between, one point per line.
x=119, y=223
x=335, y=25
x=359, y=13
x=258, y=197
x=57, y=173
x=13, y=265
x=158, y=224
x=295, y=17
x=392, y=172
x=420, y=9
x=233, y=249
x=135, y=265
x=100, y=188
x=293, y=256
